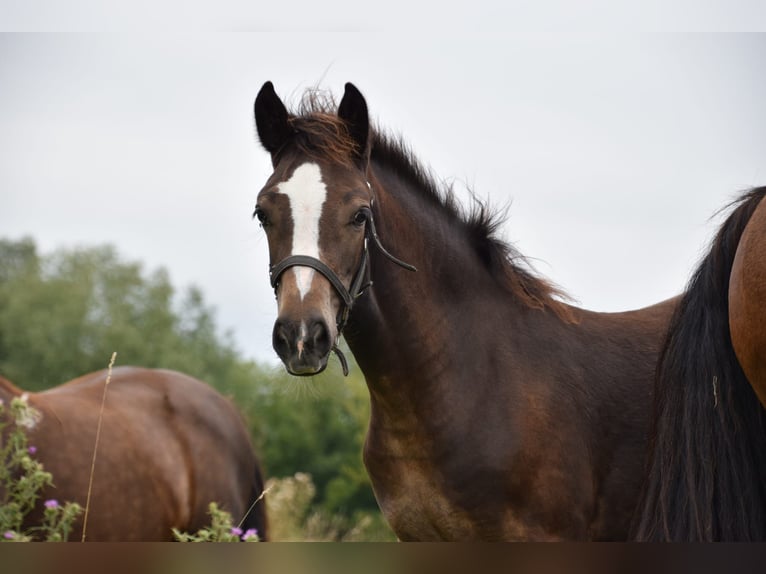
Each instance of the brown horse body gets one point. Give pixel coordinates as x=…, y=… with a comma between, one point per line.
x=497, y=411
x=169, y=446
x=544, y=442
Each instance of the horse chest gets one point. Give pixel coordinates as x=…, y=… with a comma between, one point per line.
x=412, y=501
x=428, y=491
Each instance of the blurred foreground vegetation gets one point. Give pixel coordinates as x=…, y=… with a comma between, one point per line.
x=63, y=314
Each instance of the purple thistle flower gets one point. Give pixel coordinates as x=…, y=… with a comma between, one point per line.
x=250, y=533
x=236, y=531
x=9, y=535
x=32, y=449
x=52, y=503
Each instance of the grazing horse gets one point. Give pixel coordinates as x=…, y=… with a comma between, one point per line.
x=169, y=446
x=706, y=478
x=498, y=412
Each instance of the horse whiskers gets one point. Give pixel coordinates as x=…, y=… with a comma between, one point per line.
x=298, y=389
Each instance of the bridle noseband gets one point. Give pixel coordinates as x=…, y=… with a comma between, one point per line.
x=358, y=284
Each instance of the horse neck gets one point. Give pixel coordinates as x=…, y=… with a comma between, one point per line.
x=407, y=325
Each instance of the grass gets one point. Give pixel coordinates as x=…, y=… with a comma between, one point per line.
x=293, y=518
x=221, y=529
x=95, y=446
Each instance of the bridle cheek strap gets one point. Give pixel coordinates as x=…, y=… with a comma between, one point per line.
x=348, y=296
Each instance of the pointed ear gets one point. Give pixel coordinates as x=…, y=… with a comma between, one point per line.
x=271, y=119
x=353, y=111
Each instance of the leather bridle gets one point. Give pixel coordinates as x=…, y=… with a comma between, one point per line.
x=359, y=283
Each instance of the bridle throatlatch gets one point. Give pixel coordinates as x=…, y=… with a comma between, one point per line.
x=358, y=284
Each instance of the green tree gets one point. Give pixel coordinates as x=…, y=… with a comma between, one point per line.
x=62, y=314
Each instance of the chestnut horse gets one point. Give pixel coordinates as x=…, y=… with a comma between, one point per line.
x=498, y=412
x=706, y=478
x=169, y=446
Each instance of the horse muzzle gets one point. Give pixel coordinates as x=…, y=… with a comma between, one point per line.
x=303, y=346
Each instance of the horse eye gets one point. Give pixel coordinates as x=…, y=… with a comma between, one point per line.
x=261, y=216
x=360, y=217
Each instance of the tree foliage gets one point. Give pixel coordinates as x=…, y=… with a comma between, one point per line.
x=64, y=313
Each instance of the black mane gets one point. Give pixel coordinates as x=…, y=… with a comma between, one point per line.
x=480, y=222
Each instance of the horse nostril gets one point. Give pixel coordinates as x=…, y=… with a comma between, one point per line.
x=281, y=337
x=319, y=336
x=303, y=345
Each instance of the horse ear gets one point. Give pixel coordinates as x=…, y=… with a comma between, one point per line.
x=353, y=111
x=271, y=119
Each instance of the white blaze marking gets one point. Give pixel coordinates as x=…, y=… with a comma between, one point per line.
x=307, y=193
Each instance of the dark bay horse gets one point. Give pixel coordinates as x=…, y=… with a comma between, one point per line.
x=706, y=478
x=169, y=446
x=498, y=412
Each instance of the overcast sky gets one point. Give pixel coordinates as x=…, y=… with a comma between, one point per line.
x=613, y=150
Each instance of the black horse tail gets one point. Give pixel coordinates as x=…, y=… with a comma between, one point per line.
x=256, y=517
x=706, y=470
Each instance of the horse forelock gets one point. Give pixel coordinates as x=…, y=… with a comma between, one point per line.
x=318, y=132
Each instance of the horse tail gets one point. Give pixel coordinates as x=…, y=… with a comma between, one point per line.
x=706, y=470
x=256, y=517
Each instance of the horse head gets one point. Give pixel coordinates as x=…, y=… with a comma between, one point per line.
x=316, y=211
